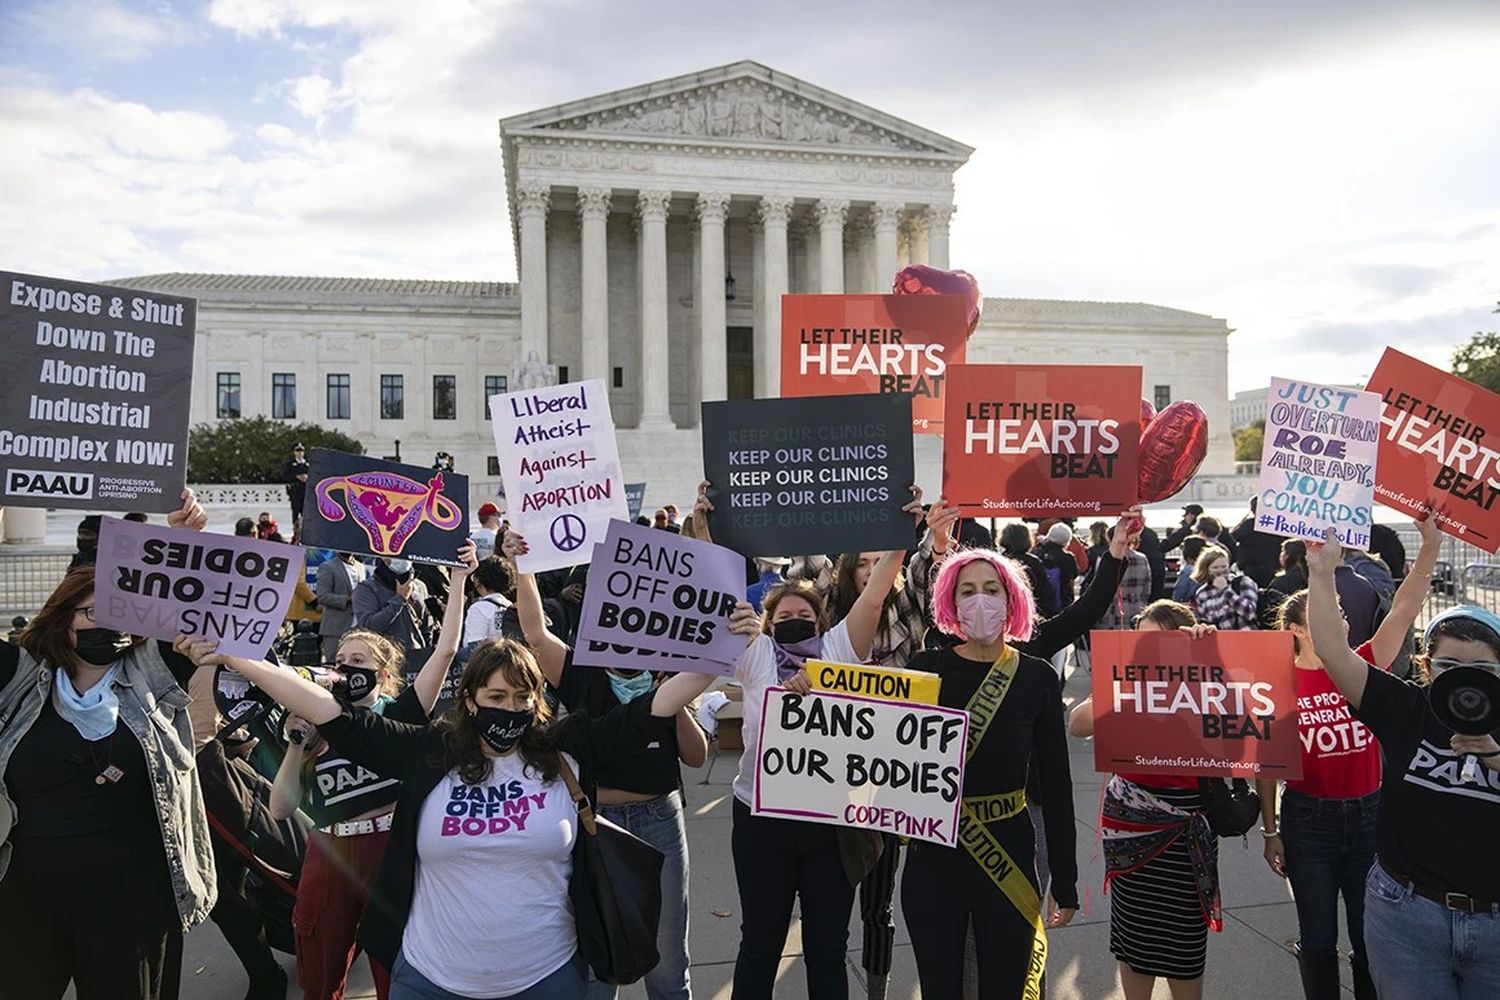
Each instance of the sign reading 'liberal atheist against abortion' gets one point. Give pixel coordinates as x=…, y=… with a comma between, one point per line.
x=561, y=469
x=832, y=344
x=94, y=408
x=824, y=474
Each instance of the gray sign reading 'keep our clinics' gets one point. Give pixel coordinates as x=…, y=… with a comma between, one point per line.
x=94, y=414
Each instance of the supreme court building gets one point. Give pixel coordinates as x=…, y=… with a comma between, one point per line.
x=656, y=229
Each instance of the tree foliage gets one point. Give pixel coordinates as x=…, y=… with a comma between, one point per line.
x=1249, y=442
x=1479, y=360
x=255, y=450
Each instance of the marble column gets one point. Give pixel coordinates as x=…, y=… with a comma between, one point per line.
x=858, y=267
x=916, y=235
x=886, y=216
x=532, y=201
x=713, y=373
x=831, y=213
x=652, y=208
x=806, y=229
x=774, y=212
x=593, y=272
x=938, y=217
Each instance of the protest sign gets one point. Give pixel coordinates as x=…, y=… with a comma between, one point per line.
x=863, y=763
x=881, y=683
x=99, y=380
x=653, y=591
x=163, y=582
x=1317, y=466
x=854, y=344
x=1042, y=440
x=370, y=506
x=825, y=474
x=1438, y=448
x=416, y=660
x=561, y=469
x=1222, y=705
x=635, y=495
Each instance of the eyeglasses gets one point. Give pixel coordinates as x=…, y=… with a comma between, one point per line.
x=1445, y=663
x=87, y=611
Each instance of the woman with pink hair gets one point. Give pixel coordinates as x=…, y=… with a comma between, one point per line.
x=1015, y=711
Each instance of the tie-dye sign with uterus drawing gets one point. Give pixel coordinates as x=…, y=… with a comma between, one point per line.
x=373, y=507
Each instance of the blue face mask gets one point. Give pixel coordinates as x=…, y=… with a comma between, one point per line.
x=628, y=689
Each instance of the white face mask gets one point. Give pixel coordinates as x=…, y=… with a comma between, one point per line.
x=983, y=616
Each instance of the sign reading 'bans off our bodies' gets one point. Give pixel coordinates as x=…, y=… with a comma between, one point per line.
x=94, y=411
x=561, y=468
x=833, y=344
x=825, y=474
x=369, y=506
x=1223, y=705
x=163, y=582
x=1317, y=468
x=653, y=592
x=1038, y=440
x=1439, y=448
x=860, y=762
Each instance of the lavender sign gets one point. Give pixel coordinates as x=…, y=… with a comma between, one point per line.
x=162, y=582
x=660, y=597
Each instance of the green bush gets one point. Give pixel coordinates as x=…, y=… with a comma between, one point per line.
x=255, y=450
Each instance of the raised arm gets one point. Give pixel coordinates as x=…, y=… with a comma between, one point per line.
x=1330, y=639
x=677, y=691
x=701, y=509
x=1061, y=630
x=429, y=682
x=289, y=689
x=864, y=617
x=1410, y=597
x=550, y=651
x=286, y=790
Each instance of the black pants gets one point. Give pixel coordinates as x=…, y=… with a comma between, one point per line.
x=877, y=899
x=942, y=892
x=776, y=861
x=241, y=923
x=96, y=911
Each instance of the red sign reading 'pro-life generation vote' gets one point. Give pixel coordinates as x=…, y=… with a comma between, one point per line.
x=1038, y=440
x=1439, y=448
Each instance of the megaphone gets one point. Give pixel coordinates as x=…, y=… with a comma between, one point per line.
x=1467, y=701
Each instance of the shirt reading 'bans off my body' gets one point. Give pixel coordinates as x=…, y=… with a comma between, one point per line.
x=506, y=842
x=1435, y=825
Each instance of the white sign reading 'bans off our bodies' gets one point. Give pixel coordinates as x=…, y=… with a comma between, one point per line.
x=849, y=761
x=561, y=470
x=94, y=406
x=1317, y=469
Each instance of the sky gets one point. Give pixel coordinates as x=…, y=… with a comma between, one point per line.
x=1325, y=176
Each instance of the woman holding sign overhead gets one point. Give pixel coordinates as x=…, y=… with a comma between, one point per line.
x=1432, y=898
x=1015, y=709
x=639, y=787
x=473, y=894
x=350, y=804
x=105, y=858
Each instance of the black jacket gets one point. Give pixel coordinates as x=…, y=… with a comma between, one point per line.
x=416, y=755
x=1259, y=553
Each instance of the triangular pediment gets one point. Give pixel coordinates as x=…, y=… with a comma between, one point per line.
x=742, y=102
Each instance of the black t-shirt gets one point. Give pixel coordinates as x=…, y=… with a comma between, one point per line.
x=1434, y=827
x=339, y=789
x=1029, y=721
x=52, y=777
x=645, y=762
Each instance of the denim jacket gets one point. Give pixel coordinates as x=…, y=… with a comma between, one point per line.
x=154, y=707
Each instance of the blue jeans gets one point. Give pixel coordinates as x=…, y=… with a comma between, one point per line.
x=567, y=983
x=1330, y=845
x=659, y=823
x=1421, y=950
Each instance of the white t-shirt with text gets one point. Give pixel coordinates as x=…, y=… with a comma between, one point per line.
x=483, y=619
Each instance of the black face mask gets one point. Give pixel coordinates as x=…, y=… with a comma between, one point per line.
x=790, y=631
x=501, y=728
x=358, y=682
x=101, y=646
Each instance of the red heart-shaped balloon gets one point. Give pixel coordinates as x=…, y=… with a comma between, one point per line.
x=919, y=279
x=1172, y=449
x=1148, y=414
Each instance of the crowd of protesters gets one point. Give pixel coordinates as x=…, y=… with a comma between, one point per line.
x=127, y=802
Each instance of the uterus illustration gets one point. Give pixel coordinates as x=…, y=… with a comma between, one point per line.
x=389, y=507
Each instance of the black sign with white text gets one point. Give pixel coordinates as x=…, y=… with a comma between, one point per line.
x=817, y=474
x=94, y=414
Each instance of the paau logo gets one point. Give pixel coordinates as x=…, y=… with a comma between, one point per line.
x=34, y=483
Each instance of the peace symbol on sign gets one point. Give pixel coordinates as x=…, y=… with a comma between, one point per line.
x=568, y=532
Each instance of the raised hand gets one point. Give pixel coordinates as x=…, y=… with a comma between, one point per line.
x=1324, y=557
x=190, y=515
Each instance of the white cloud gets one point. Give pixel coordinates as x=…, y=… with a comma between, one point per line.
x=104, y=29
